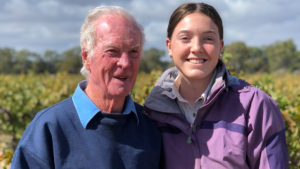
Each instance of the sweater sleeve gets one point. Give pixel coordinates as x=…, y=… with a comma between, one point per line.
x=24, y=159
x=266, y=139
x=35, y=148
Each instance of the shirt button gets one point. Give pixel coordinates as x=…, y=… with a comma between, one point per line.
x=194, y=114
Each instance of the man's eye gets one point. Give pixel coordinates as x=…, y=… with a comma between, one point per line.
x=112, y=51
x=134, y=51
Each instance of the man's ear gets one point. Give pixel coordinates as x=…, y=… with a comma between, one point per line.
x=169, y=46
x=84, y=58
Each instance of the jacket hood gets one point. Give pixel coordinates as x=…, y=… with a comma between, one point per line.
x=160, y=102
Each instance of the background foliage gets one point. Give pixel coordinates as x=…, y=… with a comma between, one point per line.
x=30, y=82
x=22, y=96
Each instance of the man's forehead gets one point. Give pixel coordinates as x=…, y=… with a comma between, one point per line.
x=115, y=21
x=117, y=28
x=119, y=42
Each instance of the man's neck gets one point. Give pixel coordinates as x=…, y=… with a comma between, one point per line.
x=106, y=103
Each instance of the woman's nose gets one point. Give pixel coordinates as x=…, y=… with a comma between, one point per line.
x=196, y=46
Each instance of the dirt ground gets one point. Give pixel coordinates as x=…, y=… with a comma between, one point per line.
x=4, y=140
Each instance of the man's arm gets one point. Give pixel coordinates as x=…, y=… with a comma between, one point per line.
x=24, y=159
x=35, y=149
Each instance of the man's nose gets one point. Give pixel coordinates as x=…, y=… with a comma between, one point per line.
x=124, y=61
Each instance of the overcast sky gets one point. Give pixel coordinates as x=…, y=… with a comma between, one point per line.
x=39, y=25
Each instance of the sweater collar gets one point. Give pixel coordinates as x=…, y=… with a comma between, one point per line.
x=87, y=110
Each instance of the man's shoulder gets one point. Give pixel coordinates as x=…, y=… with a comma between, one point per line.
x=47, y=120
x=139, y=108
x=140, y=111
x=44, y=132
x=56, y=111
x=144, y=116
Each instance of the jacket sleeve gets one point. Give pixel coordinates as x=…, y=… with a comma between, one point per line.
x=266, y=134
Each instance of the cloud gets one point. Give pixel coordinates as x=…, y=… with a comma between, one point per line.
x=155, y=34
x=39, y=25
x=260, y=22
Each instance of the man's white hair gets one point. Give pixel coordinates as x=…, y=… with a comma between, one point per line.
x=88, y=28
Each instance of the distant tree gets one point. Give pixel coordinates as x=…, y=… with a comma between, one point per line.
x=38, y=65
x=256, y=62
x=51, y=58
x=238, y=53
x=70, y=61
x=7, y=55
x=295, y=67
x=22, y=63
x=281, y=55
x=152, y=60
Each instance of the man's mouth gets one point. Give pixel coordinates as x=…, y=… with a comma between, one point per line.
x=122, y=78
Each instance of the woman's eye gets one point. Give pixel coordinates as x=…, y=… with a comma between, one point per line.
x=185, y=39
x=209, y=39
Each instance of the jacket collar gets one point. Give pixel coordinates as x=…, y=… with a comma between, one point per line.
x=159, y=101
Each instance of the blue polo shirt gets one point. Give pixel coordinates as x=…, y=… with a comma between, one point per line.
x=74, y=133
x=86, y=109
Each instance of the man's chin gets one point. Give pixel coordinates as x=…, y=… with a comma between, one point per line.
x=119, y=92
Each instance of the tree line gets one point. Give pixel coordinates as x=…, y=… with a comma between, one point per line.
x=281, y=56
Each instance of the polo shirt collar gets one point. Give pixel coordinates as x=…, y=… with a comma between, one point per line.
x=86, y=109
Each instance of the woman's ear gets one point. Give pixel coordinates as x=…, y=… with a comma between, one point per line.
x=169, y=46
x=221, y=49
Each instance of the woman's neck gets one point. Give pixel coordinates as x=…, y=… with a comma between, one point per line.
x=192, y=89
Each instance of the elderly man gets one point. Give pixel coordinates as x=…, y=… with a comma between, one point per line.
x=99, y=126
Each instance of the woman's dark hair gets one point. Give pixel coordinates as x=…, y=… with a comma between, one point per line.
x=189, y=8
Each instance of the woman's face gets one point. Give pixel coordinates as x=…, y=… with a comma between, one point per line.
x=195, y=46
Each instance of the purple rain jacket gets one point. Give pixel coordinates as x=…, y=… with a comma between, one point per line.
x=238, y=126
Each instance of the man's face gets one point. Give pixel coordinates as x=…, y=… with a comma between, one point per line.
x=117, y=53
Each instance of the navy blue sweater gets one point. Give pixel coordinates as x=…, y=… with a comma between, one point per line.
x=57, y=139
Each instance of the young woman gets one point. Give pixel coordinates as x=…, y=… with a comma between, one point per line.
x=208, y=118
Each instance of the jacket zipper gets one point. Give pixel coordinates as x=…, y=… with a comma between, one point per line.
x=189, y=139
x=192, y=126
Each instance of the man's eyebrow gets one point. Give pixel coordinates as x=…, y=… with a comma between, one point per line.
x=109, y=46
x=136, y=46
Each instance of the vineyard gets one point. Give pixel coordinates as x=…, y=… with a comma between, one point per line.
x=21, y=96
